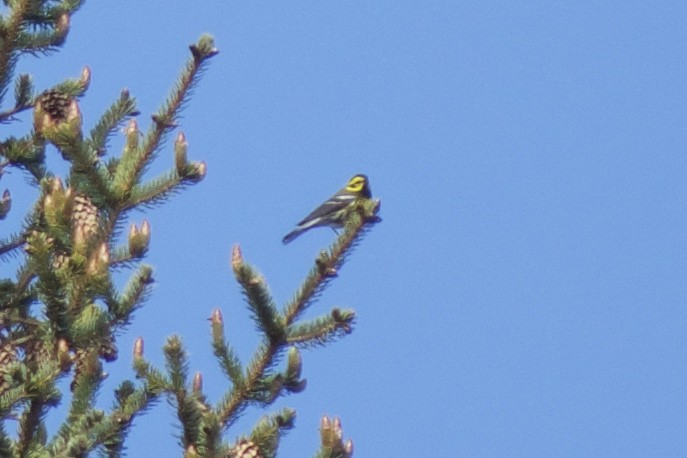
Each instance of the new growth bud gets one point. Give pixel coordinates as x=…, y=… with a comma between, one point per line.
x=325, y=423
x=56, y=185
x=180, y=150
x=140, y=365
x=57, y=204
x=196, y=171
x=217, y=324
x=294, y=366
x=100, y=262
x=146, y=277
x=132, y=136
x=245, y=448
x=204, y=49
x=85, y=77
x=191, y=452
x=63, y=356
x=236, y=258
x=198, y=383
x=331, y=434
x=326, y=432
x=62, y=25
x=138, y=348
x=74, y=119
x=139, y=240
x=68, y=199
x=348, y=448
x=336, y=428
x=104, y=254
x=216, y=317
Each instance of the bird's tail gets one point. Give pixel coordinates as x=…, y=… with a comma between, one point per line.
x=292, y=235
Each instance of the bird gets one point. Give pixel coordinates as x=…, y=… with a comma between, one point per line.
x=333, y=212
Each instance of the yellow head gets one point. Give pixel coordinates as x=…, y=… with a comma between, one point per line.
x=359, y=185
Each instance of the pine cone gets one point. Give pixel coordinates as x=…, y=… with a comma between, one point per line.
x=55, y=104
x=57, y=113
x=245, y=448
x=35, y=352
x=85, y=215
x=8, y=354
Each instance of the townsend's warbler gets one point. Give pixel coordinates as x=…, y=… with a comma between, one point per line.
x=333, y=212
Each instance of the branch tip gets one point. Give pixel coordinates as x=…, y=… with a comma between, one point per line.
x=236, y=258
x=216, y=317
x=198, y=383
x=85, y=77
x=138, y=348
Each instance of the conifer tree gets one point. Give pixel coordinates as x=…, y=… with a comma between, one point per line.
x=60, y=314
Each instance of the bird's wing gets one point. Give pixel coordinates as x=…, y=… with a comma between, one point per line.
x=334, y=204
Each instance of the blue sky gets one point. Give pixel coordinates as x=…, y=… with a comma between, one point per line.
x=525, y=294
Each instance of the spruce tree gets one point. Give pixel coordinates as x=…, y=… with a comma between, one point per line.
x=60, y=314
